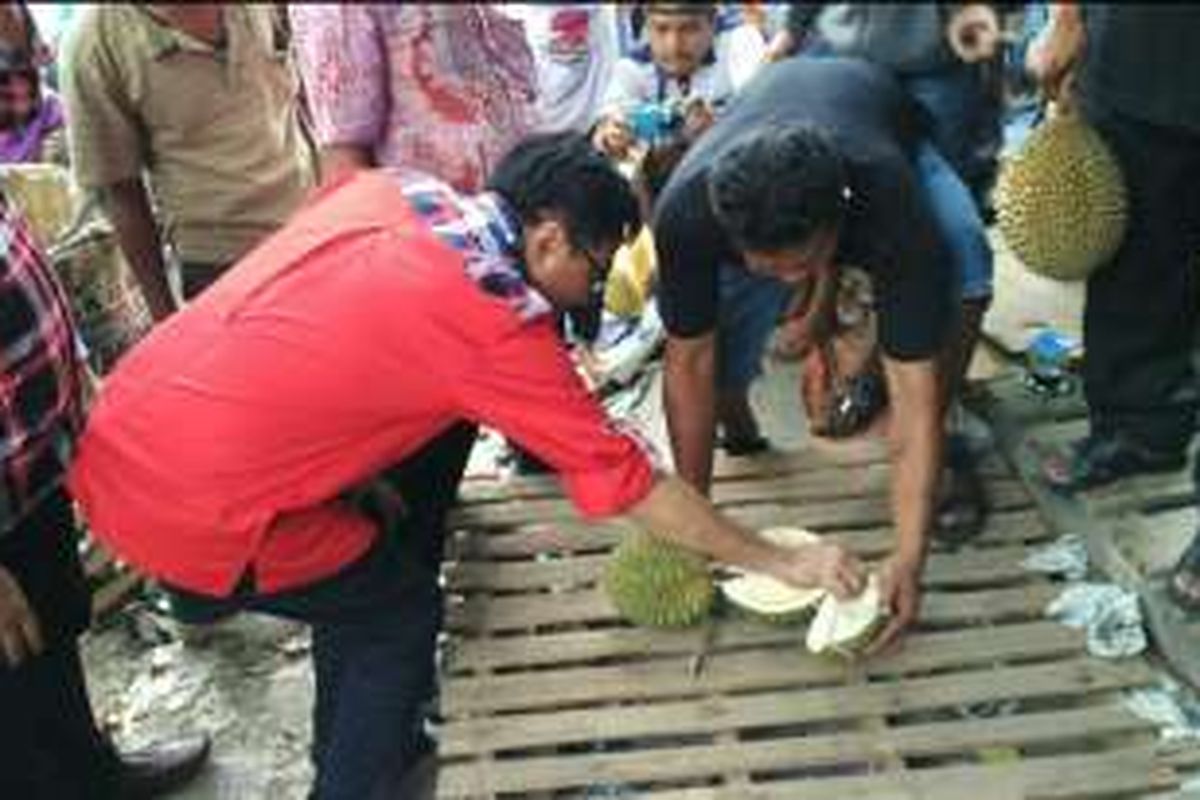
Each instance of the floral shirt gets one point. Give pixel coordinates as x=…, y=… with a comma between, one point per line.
x=446, y=88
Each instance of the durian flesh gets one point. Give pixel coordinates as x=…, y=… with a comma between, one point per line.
x=770, y=598
x=655, y=583
x=846, y=627
x=1060, y=200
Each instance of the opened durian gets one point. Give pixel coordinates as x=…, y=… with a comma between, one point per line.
x=846, y=627
x=770, y=598
x=1060, y=200
x=657, y=584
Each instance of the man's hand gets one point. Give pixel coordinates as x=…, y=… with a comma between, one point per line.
x=826, y=566
x=900, y=594
x=1057, y=49
x=974, y=32
x=20, y=634
x=697, y=118
x=613, y=137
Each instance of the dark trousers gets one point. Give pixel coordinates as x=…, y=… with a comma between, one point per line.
x=50, y=747
x=374, y=632
x=197, y=277
x=1140, y=315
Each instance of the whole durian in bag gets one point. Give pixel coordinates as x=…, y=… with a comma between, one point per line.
x=655, y=583
x=1060, y=200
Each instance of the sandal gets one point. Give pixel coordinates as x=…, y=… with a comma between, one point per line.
x=1183, y=586
x=1096, y=461
x=962, y=509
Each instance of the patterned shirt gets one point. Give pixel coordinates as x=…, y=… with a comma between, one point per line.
x=444, y=87
x=39, y=384
x=486, y=231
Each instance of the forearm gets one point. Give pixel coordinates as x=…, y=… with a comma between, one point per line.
x=690, y=401
x=916, y=445
x=128, y=208
x=677, y=512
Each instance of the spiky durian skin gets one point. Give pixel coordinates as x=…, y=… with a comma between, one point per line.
x=1060, y=200
x=656, y=584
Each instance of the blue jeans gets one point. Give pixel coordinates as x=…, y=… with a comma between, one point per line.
x=374, y=633
x=957, y=219
x=750, y=308
x=956, y=112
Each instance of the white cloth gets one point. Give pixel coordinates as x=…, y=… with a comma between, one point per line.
x=575, y=49
x=737, y=55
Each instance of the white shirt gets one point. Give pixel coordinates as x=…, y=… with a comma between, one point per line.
x=737, y=55
x=575, y=48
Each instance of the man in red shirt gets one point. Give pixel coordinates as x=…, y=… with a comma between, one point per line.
x=371, y=331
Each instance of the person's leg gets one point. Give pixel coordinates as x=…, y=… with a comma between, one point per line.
x=48, y=726
x=963, y=234
x=374, y=628
x=751, y=307
x=1184, y=585
x=1140, y=316
x=963, y=104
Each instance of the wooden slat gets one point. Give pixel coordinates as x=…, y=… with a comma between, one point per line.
x=666, y=676
x=1102, y=774
x=571, y=536
x=1075, y=677
x=479, y=614
x=811, y=468
x=852, y=508
x=666, y=763
x=533, y=650
x=943, y=569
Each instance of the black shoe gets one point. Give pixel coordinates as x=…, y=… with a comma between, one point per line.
x=745, y=447
x=962, y=507
x=1099, y=460
x=161, y=768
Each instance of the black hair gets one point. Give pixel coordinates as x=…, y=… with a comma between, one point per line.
x=776, y=188
x=563, y=174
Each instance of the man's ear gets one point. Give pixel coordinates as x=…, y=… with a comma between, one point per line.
x=545, y=236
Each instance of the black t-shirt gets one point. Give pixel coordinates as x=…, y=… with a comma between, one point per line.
x=887, y=231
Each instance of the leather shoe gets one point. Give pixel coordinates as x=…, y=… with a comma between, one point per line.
x=1098, y=460
x=161, y=768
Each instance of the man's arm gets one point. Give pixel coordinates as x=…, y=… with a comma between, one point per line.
x=1057, y=49
x=128, y=208
x=916, y=444
x=675, y=511
x=689, y=394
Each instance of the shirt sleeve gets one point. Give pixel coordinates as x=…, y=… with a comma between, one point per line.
x=689, y=246
x=341, y=56
x=103, y=127
x=910, y=269
x=525, y=386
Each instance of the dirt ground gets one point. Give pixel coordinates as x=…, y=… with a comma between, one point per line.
x=246, y=682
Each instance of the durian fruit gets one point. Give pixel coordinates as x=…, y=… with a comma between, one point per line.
x=846, y=627
x=657, y=584
x=769, y=598
x=1060, y=200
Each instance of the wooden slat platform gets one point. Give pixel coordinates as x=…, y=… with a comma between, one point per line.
x=547, y=694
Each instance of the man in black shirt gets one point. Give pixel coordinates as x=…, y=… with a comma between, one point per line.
x=808, y=169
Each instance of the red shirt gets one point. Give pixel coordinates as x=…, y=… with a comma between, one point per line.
x=334, y=350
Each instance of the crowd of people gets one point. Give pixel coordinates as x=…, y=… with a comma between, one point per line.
x=363, y=231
